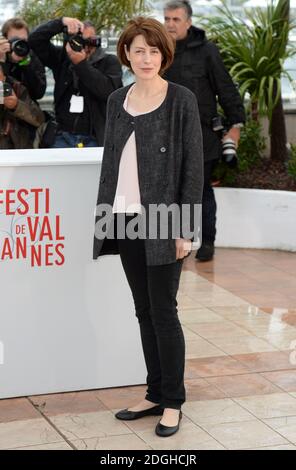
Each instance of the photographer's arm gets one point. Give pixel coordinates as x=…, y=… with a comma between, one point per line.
x=24, y=108
x=224, y=87
x=34, y=77
x=227, y=93
x=40, y=42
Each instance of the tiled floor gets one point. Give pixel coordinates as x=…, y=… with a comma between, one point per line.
x=239, y=318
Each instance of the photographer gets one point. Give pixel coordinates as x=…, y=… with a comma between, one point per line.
x=19, y=114
x=21, y=62
x=198, y=66
x=84, y=78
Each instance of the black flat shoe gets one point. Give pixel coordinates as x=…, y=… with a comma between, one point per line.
x=206, y=252
x=129, y=415
x=165, y=431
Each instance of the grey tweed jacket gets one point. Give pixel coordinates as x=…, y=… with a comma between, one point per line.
x=169, y=157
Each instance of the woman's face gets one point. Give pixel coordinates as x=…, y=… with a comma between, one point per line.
x=145, y=60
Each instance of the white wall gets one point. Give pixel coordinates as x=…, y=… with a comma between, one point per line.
x=255, y=218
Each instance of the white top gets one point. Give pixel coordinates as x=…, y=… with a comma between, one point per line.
x=127, y=196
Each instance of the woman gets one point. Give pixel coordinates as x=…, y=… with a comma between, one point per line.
x=152, y=155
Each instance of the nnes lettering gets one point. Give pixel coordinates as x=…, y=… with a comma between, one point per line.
x=30, y=229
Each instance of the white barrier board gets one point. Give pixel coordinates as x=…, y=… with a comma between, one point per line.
x=67, y=322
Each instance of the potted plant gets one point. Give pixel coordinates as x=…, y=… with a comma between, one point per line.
x=254, y=50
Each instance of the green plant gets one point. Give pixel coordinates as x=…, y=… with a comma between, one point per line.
x=292, y=162
x=254, y=50
x=104, y=14
x=251, y=146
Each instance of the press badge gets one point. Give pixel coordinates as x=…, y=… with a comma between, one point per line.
x=76, y=104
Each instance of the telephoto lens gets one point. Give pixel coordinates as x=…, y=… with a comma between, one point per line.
x=93, y=41
x=229, y=153
x=19, y=46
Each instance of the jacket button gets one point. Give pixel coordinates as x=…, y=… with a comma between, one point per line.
x=163, y=149
x=102, y=180
x=132, y=122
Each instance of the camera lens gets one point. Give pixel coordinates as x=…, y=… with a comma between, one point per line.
x=76, y=42
x=20, y=47
x=5, y=90
x=229, y=153
x=94, y=41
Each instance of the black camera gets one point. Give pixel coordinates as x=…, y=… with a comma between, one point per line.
x=19, y=46
x=5, y=90
x=77, y=42
x=218, y=123
x=229, y=155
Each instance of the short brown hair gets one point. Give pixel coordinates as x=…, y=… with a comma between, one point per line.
x=155, y=35
x=17, y=23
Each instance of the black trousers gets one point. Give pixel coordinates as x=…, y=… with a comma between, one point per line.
x=154, y=290
x=209, y=207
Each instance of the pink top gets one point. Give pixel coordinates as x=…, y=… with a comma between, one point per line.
x=127, y=196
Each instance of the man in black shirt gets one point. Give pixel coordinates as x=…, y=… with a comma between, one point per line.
x=83, y=81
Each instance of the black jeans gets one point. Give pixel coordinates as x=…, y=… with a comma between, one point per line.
x=209, y=207
x=154, y=290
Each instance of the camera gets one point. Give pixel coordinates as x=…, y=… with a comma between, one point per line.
x=5, y=90
x=77, y=42
x=229, y=155
x=19, y=46
x=217, y=123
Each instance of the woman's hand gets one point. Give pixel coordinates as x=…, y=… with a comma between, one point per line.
x=183, y=247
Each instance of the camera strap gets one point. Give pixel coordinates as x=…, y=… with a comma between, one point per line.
x=25, y=61
x=75, y=83
x=76, y=101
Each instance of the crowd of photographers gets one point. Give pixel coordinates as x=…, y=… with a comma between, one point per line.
x=84, y=78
